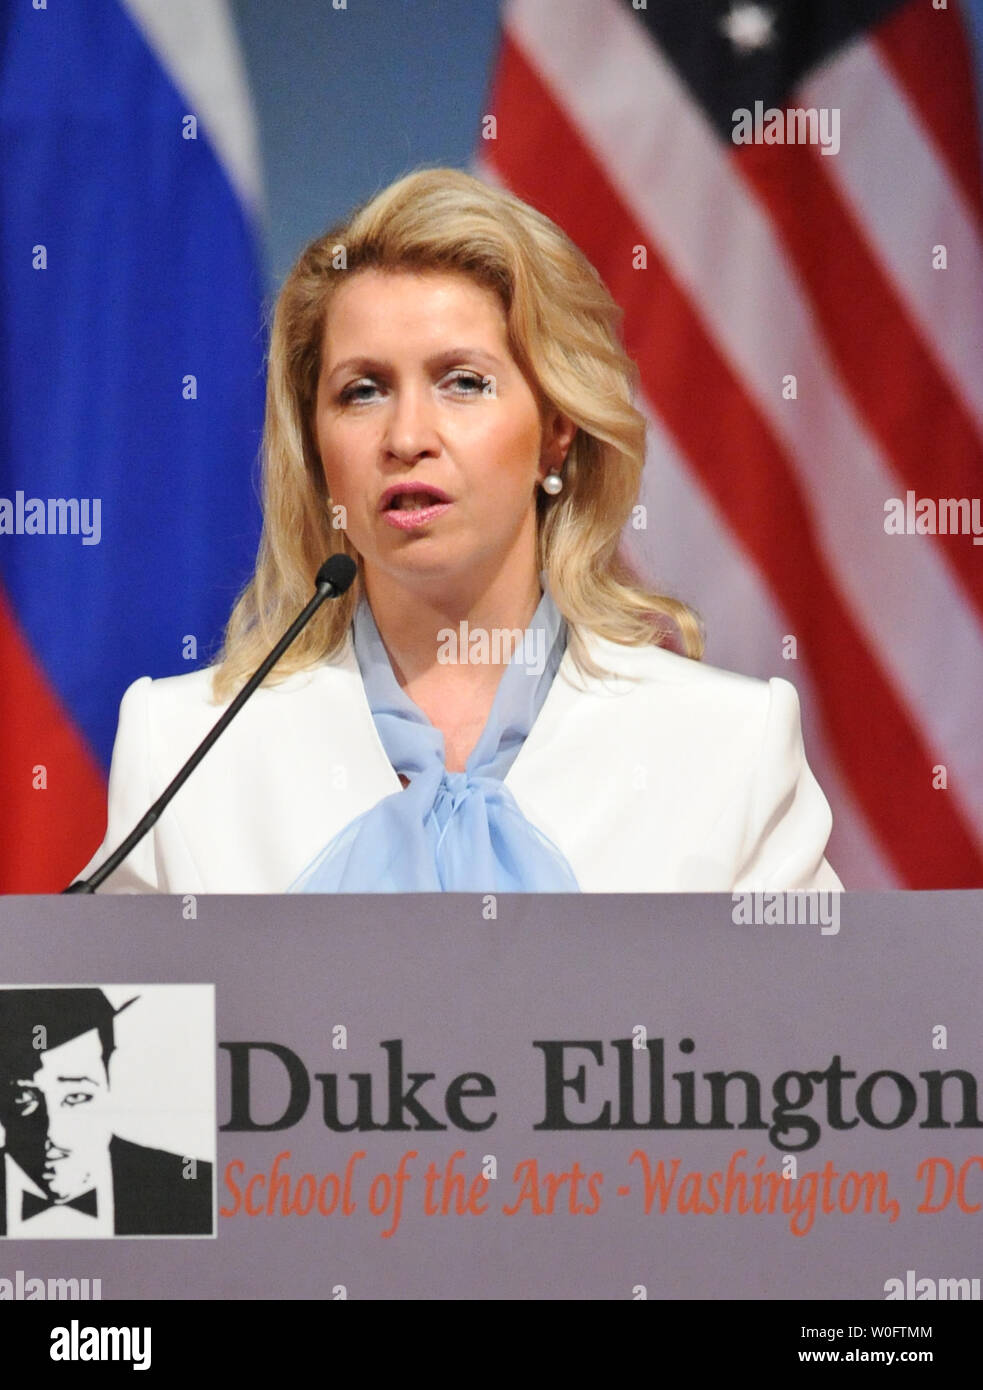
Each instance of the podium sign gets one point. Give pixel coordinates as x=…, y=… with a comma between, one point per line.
x=535, y=1096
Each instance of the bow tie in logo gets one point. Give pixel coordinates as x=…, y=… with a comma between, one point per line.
x=32, y=1205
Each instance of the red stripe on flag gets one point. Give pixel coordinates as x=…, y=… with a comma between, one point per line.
x=930, y=56
x=46, y=834
x=917, y=417
x=540, y=155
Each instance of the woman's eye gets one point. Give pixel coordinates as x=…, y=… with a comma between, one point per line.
x=468, y=381
x=354, y=392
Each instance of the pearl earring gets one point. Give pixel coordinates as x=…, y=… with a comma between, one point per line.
x=552, y=484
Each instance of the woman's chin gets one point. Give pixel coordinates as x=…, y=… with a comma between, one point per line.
x=422, y=560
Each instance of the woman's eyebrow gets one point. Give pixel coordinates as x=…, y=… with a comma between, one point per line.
x=369, y=364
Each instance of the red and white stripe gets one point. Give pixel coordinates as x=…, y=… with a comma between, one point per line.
x=902, y=231
x=764, y=262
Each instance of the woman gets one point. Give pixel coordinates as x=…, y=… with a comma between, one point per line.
x=448, y=402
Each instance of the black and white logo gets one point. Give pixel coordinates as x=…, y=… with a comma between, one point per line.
x=107, y=1111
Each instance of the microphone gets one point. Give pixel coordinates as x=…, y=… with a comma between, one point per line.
x=333, y=579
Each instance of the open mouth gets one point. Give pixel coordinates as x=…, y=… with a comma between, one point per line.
x=414, y=501
x=411, y=501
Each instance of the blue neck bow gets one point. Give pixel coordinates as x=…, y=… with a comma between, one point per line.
x=449, y=831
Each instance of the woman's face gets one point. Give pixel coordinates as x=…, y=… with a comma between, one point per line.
x=418, y=390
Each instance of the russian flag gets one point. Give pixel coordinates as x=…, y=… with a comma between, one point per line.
x=132, y=344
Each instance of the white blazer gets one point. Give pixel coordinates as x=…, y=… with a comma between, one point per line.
x=670, y=776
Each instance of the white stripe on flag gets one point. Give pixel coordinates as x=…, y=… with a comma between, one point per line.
x=197, y=44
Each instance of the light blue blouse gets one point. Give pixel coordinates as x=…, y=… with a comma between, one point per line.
x=449, y=831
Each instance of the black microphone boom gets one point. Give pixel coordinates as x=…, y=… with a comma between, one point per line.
x=333, y=578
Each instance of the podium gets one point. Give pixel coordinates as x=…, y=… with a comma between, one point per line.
x=535, y=1096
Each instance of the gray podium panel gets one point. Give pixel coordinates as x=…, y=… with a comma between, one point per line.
x=596, y=1097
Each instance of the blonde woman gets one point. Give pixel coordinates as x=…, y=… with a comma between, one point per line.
x=492, y=705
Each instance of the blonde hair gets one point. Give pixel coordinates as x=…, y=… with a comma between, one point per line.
x=562, y=330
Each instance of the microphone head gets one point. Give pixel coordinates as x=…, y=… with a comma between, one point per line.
x=339, y=571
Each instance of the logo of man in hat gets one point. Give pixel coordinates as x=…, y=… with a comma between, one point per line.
x=63, y=1170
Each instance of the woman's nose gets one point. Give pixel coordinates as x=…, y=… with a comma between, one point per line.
x=412, y=424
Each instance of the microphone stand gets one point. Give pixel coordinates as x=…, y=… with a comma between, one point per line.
x=333, y=578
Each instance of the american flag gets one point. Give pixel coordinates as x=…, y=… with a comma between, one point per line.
x=808, y=324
